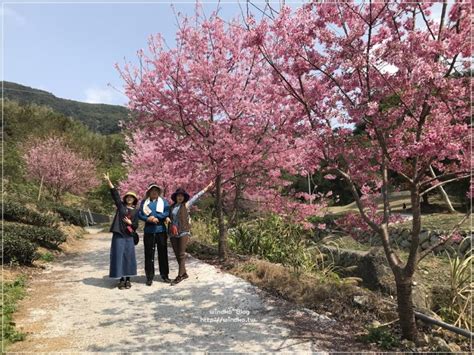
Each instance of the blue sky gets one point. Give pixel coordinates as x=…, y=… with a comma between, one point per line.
x=70, y=49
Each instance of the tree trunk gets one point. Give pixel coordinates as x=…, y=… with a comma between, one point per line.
x=234, y=217
x=404, y=277
x=40, y=188
x=406, y=313
x=220, y=219
x=443, y=193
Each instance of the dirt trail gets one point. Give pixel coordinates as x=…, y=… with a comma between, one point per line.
x=73, y=306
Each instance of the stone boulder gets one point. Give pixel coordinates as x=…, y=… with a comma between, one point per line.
x=371, y=266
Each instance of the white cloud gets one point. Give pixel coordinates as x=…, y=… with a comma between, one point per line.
x=8, y=13
x=106, y=95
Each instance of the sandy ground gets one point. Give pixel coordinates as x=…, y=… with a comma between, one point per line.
x=73, y=306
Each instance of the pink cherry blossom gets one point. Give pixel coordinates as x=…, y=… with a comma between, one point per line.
x=59, y=168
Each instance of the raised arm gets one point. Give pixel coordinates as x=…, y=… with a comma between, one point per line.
x=196, y=197
x=113, y=191
x=116, y=197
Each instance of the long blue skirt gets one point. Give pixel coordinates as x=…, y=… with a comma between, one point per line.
x=122, y=257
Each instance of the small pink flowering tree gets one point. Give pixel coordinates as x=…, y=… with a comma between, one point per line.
x=206, y=110
x=398, y=74
x=60, y=169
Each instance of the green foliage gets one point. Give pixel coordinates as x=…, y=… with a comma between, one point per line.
x=249, y=267
x=97, y=117
x=99, y=199
x=457, y=189
x=70, y=215
x=204, y=229
x=276, y=240
x=27, y=121
x=381, y=336
x=17, y=212
x=48, y=257
x=12, y=293
x=46, y=237
x=18, y=250
x=21, y=118
x=13, y=163
x=457, y=308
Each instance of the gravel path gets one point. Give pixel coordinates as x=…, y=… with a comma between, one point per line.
x=73, y=306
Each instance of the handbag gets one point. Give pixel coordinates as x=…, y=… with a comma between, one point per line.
x=174, y=230
x=132, y=232
x=136, y=238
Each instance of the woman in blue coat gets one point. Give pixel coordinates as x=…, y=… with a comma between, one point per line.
x=123, y=262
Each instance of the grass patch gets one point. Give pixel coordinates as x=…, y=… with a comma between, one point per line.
x=346, y=242
x=12, y=293
x=397, y=199
x=397, y=202
x=443, y=221
x=47, y=257
x=205, y=230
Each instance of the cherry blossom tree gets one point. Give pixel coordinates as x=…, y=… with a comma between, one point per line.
x=396, y=73
x=206, y=110
x=57, y=167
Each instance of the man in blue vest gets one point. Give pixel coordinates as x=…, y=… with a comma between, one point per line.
x=155, y=211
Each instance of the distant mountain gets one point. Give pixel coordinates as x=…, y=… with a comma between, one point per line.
x=100, y=118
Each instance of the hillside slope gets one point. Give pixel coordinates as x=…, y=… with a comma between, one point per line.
x=100, y=118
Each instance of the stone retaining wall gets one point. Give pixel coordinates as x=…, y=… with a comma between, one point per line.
x=402, y=238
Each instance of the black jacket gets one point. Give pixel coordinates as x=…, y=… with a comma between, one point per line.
x=118, y=225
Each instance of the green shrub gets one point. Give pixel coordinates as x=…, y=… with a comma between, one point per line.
x=204, y=229
x=47, y=237
x=17, y=249
x=70, y=215
x=276, y=240
x=455, y=300
x=381, y=336
x=16, y=212
x=48, y=257
x=12, y=292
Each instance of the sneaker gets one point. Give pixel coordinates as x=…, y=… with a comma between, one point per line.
x=121, y=285
x=128, y=284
